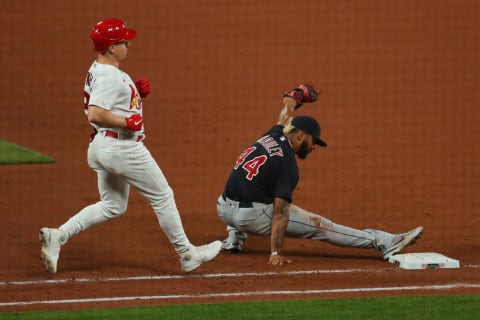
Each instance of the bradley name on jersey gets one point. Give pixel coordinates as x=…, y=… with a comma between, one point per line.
x=271, y=146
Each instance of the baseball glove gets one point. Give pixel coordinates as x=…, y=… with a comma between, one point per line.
x=304, y=93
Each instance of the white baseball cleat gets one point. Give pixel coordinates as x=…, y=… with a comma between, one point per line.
x=402, y=240
x=195, y=256
x=50, y=241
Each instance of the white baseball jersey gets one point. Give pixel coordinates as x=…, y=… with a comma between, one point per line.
x=112, y=89
x=122, y=162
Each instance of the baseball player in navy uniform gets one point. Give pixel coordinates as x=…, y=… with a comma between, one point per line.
x=258, y=194
x=114, y=107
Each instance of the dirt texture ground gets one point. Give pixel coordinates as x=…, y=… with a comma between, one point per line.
x=399, y=108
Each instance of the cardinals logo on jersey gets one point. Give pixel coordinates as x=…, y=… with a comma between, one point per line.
x=135, y=100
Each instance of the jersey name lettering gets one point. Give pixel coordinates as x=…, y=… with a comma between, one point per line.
x=271, y=146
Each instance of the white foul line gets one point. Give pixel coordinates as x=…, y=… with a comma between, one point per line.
x=190, y=276
x=186, y=276
x=243, y=294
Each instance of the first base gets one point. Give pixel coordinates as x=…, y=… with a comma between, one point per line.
x=423, y=260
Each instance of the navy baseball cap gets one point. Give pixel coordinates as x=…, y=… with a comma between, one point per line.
x=310, y=126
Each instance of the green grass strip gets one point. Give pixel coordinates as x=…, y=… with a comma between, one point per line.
x=13, y=154
x=462, y=307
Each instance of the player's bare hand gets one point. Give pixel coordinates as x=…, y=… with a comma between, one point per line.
x=278, y=260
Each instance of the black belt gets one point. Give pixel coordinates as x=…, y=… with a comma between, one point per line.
x=241, y=204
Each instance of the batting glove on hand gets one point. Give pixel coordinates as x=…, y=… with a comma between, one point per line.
x=304, y=93
x=143, y=87
x=134, y=122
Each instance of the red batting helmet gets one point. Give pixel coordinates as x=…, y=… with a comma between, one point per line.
x=110, y=31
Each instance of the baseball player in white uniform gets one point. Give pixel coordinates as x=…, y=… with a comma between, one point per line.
x=113, y=105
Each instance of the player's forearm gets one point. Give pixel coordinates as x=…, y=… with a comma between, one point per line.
x=279, y=226
x=287, y=111
x=105, y=118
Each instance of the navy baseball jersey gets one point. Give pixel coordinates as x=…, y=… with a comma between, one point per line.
x=265, y=170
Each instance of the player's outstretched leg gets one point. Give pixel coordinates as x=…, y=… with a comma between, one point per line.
x=308, y=225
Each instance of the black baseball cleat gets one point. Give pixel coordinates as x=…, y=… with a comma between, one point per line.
x=232, y=247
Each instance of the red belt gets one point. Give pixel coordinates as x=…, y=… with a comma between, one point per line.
x=113, y=134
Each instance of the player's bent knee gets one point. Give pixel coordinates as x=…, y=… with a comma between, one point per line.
x=115, y=210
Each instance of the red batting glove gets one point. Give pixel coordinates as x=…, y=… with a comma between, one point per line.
x=134, y=122
x=143, y=87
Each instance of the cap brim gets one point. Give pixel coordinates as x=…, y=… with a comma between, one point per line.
x=130, y=34
x=320, y=142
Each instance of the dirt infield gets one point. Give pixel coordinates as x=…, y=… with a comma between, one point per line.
x=399, y=109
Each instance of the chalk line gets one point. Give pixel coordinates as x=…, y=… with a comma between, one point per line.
x=242, y=294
